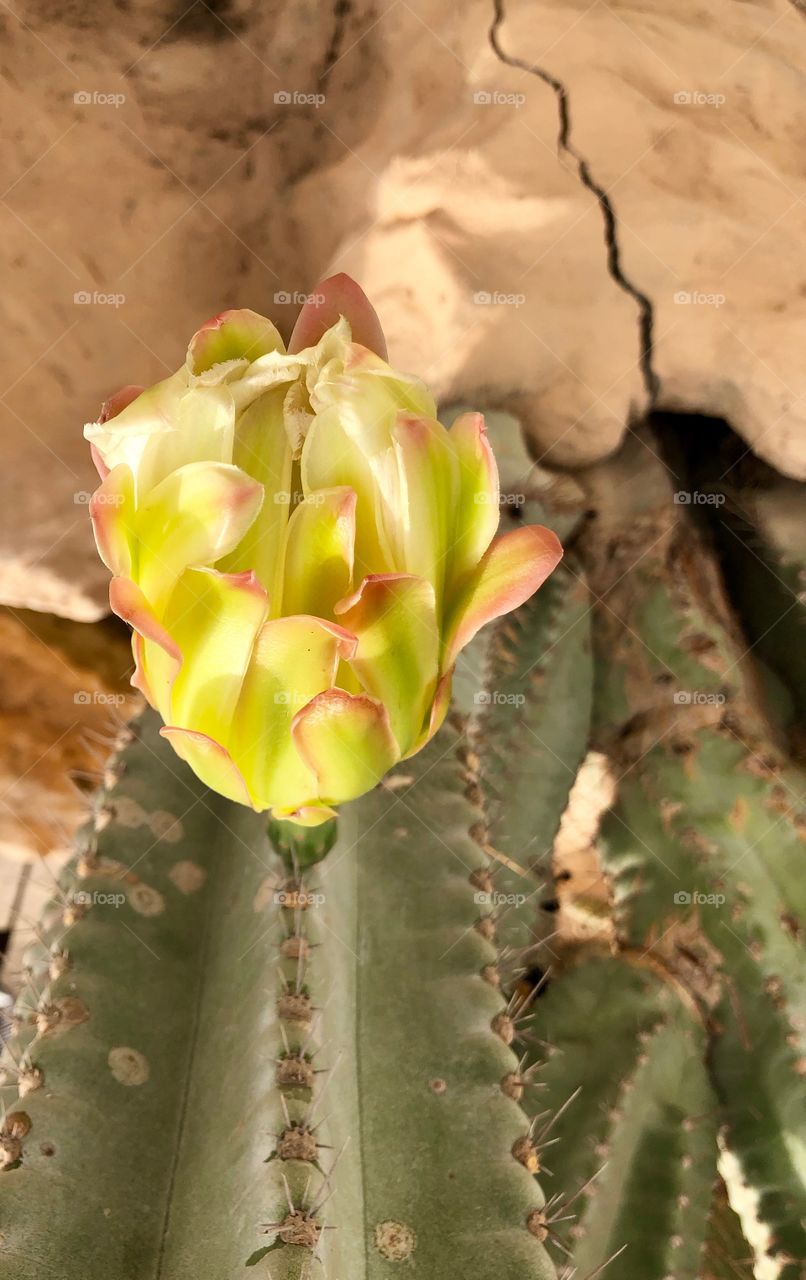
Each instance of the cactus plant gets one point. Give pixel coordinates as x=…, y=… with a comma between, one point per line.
x=695, y=1025
x=223, y=1062
x=371, y=1065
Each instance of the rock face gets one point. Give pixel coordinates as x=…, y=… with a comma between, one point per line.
x=566, y=210
x=64, y=691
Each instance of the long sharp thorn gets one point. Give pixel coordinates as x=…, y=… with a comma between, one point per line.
x=547, y=1129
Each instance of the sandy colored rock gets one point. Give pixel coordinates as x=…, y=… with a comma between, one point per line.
x=688, y=118
x=145, y=190
x=63, y=689
x=692, y=117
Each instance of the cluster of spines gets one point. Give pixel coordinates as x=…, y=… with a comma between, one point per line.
x=299, y=1081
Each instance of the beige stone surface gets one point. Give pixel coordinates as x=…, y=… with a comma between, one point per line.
x=403, y=148
x=64, y=690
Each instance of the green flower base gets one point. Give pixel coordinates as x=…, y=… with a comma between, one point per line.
x=301, y=847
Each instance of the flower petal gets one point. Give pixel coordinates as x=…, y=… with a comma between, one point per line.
x=396, y=660
x=293, y=660
x=319, y=550
x=513, y=568
x=420, y=520
x=210, y=762
x=232, y=336
x=356, y=398
x=477, y=509
x=139, y=678
x=346, y=741
x=262, y=451
x=214, y=619
x=336, y=296
x=195, y=516
x=124, y=432
x=308, y=815
x=112, y=515
x=332, y=460
x=437, y=714
x=157, y=655
x=165, y=428
x=119, y=401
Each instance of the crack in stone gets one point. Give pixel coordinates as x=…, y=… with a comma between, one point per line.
x=342, y=10
x=609, y=219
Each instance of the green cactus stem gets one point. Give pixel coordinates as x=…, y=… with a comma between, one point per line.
x=223, y=1065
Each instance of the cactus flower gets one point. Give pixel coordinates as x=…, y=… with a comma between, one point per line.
x=302, y=551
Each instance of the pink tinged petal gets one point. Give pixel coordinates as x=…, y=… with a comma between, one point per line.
x=210, y=762
x=119, y=401
x=110, y=409
x=214, y=618
x=339, y=295
x=512, y=570
x=437, y=714
x=232, y=336
x=196, y=516
x=309, y=815
x=262, y=450
x=98, y=462
x=157, y=656
x=477, y=511
x=139, y=679
x=293, y=660
x=127, y=427
x=112, y=516
x=346, y=741
x=396, y=660
x=427, y=494
x=320, y=543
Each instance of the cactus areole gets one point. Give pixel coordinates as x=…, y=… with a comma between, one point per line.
x=302, y=551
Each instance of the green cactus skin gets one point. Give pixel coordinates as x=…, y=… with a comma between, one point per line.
x=168, y=1134
x=636, y=1120
x=706, y=806
x=528, y=725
